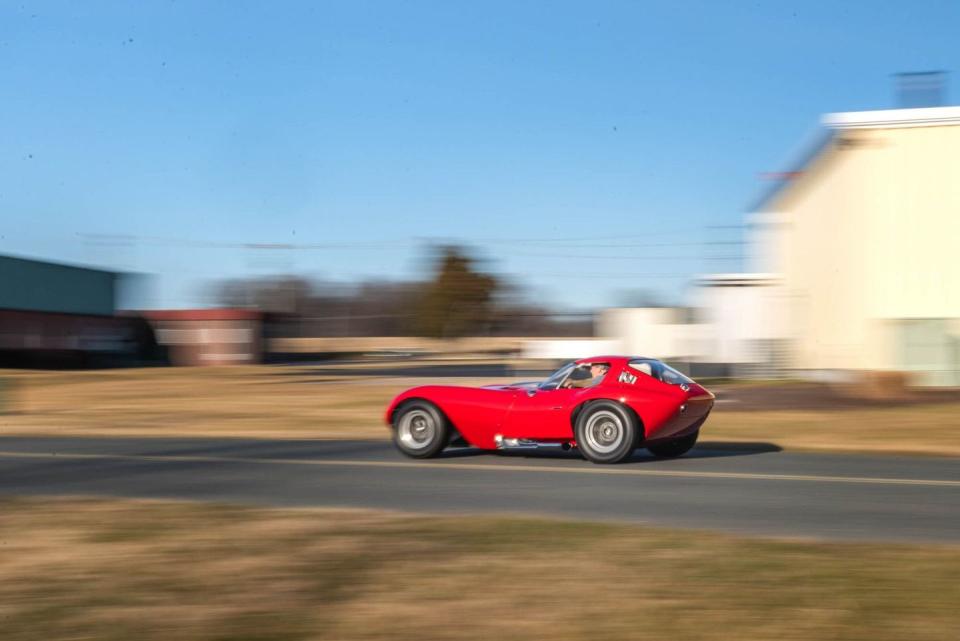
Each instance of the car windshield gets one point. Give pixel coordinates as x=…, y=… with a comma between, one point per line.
x=557, y=377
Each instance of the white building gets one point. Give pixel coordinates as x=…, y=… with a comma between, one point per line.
x=658, y=332
x=741, y=323
x=863, y=233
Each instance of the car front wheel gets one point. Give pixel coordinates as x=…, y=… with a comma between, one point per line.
x=420, y=430
x=606, y=432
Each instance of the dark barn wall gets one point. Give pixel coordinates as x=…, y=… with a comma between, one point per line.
x=37, y=286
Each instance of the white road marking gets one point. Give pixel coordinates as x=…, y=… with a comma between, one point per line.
x=440, y=465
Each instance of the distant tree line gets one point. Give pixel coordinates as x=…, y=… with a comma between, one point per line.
x=457, y=299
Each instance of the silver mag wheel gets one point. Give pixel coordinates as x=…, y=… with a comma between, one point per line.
x=420, y=430
x=606, y=432
x=417, y=430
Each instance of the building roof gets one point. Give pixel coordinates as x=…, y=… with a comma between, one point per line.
x=835, y=122
x=812, y=149
x=736, y=280
x=893, y=118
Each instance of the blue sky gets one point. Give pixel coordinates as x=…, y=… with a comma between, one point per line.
x=585, y=149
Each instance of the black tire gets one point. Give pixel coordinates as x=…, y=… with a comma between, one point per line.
x=674, y=448
x=420, y=430
x=606, y=432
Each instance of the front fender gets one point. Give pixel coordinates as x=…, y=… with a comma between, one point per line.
x=476, y=413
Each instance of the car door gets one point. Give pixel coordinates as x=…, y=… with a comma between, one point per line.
x=541, y=414
x=477, y=413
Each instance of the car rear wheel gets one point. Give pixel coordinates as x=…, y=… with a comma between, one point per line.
x=420, y=430
x=676, y=447
x=606, y=432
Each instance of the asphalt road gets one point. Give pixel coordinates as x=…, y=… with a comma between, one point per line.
x=749, y=489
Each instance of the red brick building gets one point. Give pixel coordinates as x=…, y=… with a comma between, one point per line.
x=209, y=336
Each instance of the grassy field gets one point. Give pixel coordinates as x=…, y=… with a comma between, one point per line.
x=297, y=402
x=121, y=570
x=254, y=402
x=917, y=429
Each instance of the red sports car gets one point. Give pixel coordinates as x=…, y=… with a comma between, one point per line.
x=606, y=406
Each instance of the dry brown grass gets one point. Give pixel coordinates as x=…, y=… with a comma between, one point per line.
x=248, y=401
x=915, y=429
x=121, y=570
x=451, y=347
x=296, y=402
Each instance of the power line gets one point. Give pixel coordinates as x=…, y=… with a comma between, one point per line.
x=620, y=257
x=631, y=275
x=127, y=239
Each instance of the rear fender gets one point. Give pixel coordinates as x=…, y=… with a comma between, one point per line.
x=579, y=409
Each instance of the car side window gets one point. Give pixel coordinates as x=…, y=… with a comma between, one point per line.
x=642, y=367
x=645, y=366
x=660, y=371
x=586, y=375
x=673, y=377
x=579, y=376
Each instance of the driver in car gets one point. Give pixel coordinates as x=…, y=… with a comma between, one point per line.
x=597, y=372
